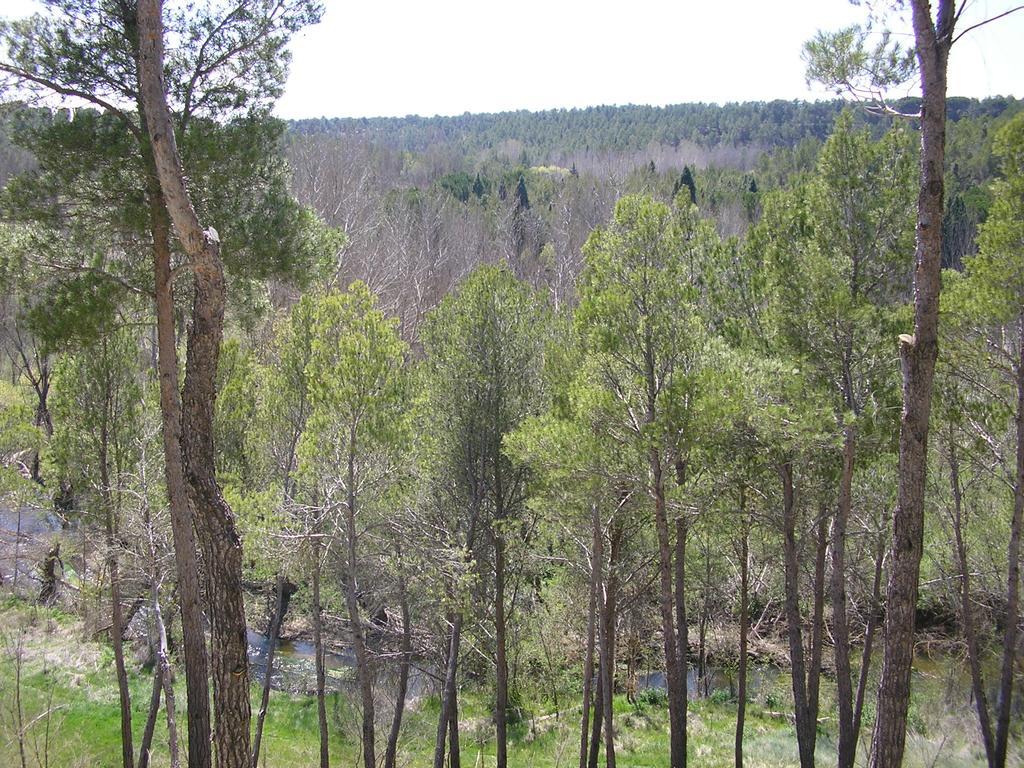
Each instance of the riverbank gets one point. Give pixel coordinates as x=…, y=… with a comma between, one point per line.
x=72, y=679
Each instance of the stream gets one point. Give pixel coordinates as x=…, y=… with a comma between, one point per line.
x=295, y=668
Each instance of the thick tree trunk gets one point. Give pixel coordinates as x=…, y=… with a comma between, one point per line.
x=967, y=607
x=321, y=671
x=273, y=632
x=189, y=598
x=222, y=548
x=918, y=354
x=741, y=693
x=391, y=752
x=847, y=746
x=363, y=676
x=805, y=725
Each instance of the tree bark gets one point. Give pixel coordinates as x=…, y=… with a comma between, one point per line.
x=1013, y=567
x=321, y=672
x=606, y=600
x=273, y=632
x=741, y=693
x=363, y=677
x=588, y=656
x=918, y=354
x=116, y=619
x=805, y=725
x=214, y=520
x=869, y=640
x=817, y=625
x=448, y=695
x=391, y=752
x=847, y=746
x=967, y=607
x=189, y=598
x=167, y=678
x=154, y=711
x=500, y=640
x=454, y=754
x=666, y=604
x=682, y=629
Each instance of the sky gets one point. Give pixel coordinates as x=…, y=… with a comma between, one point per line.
x=397, y=57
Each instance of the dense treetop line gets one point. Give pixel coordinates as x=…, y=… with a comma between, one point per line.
x=548, y=133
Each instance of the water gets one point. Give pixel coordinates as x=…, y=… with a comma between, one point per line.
x=295, y=668
x=720, y=679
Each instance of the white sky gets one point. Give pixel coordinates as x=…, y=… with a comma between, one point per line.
x=398, y=57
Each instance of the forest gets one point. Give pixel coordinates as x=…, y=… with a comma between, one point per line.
x=637, y=436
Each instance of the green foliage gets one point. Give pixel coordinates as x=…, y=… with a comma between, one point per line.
x=856, y=60
x=357, y=389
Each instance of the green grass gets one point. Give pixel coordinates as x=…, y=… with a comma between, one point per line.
x=76, y=678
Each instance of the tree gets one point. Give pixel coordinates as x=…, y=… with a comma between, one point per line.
x=639, y=316
x=484, y=347
x=357, y=423
x=839, y=258
x=844, y=60
x=231, y=67
x=985, y=308
x=97, y=406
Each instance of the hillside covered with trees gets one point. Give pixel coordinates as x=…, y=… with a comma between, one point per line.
x=649, y=436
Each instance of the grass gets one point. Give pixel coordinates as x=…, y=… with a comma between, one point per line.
x=74, y=678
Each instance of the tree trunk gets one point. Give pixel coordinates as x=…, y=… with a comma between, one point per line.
x=847, y=746
x=454, y=754
x=166, y=677
x=273, y=631
x=222, y=548
x=390, y=754
x=116, y=619
x=666, y=604
x=918, y=354
x=597, y=730
x=321, y=672
x=355, y=619
x=606, y=599
x=500, y=641
x=588, y=657
x=869, y=640
x=1013, y=571
x=189, y=597
x=48, y=590
x=741, y=693
x=805, y=725
x=448, y=695
x=154, y=711
x=196, y=664
x=817, y=625
x=967, y=607
x=682, y=630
